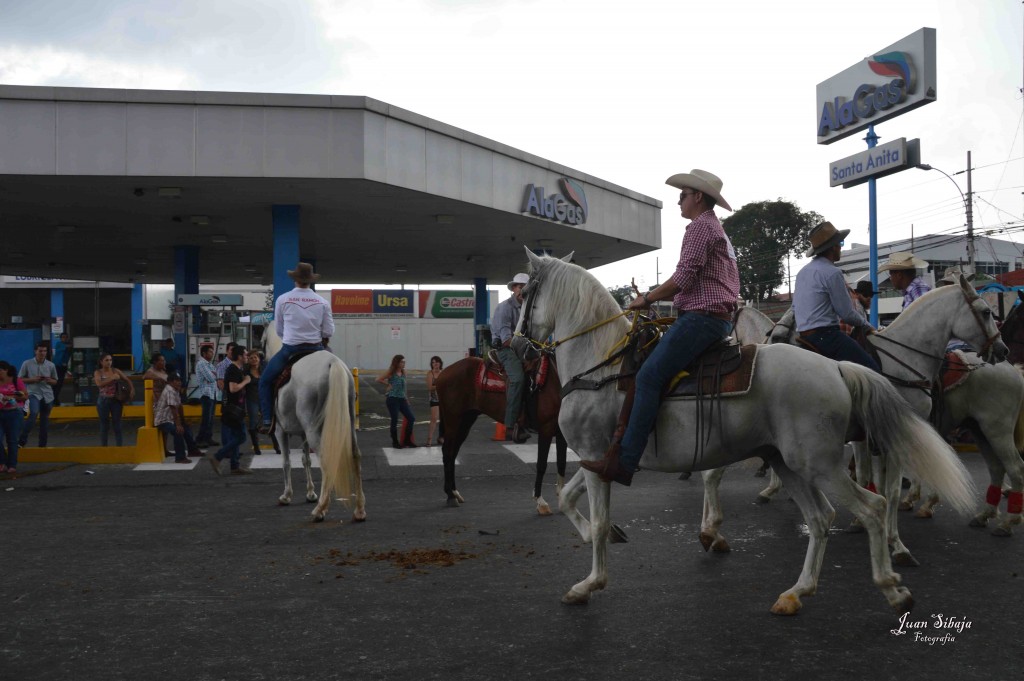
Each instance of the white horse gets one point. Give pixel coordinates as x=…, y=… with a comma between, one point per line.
x=318, y=404
x=989, y=402
x=799, y=411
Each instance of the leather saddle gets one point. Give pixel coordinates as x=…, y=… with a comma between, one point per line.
x=492, y=378
x=286, y=373
x=954, y=370
x=726, y=368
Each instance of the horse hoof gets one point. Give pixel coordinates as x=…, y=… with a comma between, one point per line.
x=721, y=546
x=318, y=518
x=905, y=603
x=904, y=559
x=312, y=499
x=1000, y=531
x=458, y=497
x=706, y=540
x=787, y=605
x=573, y=598
x=542, y=507
x=616, y=535
x=763, y=498
x=923, y=513
x=452, y=502
x=359, y=517
x=284, y=502
x=906, y=506
x=978, y=522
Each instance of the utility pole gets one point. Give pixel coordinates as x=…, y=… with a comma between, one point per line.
x=970, y=218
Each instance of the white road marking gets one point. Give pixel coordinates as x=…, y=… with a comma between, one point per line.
x=527, y=453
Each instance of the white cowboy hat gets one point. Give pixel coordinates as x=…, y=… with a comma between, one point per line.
x=303, y=272
x=952, y=276
x=825, y=236
x=521, y=278
x=702, y=181
x=903, y=260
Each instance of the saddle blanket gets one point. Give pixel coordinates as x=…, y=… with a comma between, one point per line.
x=736, y=382
x=490, y=380
x=955, y=370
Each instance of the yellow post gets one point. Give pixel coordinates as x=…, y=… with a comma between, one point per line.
x=149, y=443
x=355, y=375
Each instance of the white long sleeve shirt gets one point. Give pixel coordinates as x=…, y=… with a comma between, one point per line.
x=301, y=317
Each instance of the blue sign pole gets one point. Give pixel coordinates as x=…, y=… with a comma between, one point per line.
x=872, y=140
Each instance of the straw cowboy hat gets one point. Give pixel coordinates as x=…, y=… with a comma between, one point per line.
x=951, y=276
x=903, y=260
x=824, y=237
x=521, y=278
x=702, y=181
x=303, y=273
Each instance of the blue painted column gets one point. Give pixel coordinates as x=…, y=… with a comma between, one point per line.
x=286, y=221
x=481, y=311
x=138, y=315
x=57, y=303
x=186, y=280
x=872, y=140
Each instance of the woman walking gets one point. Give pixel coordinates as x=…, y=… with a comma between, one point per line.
x=107, y=405
x=254, y=366
x=232, y=414
x=397, y=401
x=435, y=404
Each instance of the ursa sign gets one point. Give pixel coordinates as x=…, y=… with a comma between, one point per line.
x=570, y=207
x=890, y=82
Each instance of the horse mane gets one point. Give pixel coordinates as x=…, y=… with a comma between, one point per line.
x=908, y=316
x=589, y=303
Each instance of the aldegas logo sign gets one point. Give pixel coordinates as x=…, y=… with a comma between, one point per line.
x=569, y=207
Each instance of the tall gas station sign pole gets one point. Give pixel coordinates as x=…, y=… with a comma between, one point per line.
x=897, y=79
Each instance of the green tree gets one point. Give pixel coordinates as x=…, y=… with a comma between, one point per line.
x=622, y=294
x=763, y=234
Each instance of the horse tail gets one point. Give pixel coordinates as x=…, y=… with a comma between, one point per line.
x=337, y=453
x=1018, y=429
x=907, y=438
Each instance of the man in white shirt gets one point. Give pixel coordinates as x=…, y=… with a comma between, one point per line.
x=39, y=375
x=304, y=322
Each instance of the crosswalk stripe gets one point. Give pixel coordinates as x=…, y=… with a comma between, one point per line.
x=527, y=453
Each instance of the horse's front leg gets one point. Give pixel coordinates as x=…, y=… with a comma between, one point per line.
x=600, y=524
x=567, y=499
x=286, y=467
x=543, y=448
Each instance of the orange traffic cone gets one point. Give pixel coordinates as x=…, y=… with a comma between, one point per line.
x=499, y=432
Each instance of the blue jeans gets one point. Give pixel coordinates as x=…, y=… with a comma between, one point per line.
x=835, y=344
x=10, y=430
x=109, y=411
x=396, y=405
x=183, y=444
x=685, y=340
x=516, y=378
x=234, y=437
x=37, y=407
x=274, y=368
x=209, y=405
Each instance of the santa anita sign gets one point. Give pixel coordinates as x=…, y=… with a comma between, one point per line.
x=894, y=80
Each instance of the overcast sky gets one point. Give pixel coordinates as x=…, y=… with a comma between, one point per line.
x=628, y=92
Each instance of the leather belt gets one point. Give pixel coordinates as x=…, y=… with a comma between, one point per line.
x=808, y=332
x=704, y=313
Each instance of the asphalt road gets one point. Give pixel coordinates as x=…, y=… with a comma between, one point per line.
x=117, y=573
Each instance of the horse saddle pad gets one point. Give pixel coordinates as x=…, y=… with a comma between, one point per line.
x=286, y=373
x=954, y=370
x=491, y=377
x=723, y=370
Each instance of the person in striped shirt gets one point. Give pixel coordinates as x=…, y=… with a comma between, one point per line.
x=704, y=289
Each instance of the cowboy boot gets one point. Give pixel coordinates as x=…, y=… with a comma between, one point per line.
x=608, y=468
x=254, y=436
x=394, y=438
x=517, y=434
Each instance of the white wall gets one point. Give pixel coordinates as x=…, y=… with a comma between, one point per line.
x=371, y=343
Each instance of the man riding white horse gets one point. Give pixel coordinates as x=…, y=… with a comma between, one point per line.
x=304, y=323
x=822, y=299
x=704, y=288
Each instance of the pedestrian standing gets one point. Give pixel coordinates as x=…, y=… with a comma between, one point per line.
x=397, y=401
x=206, y=372
x=108, y=406
x=12, y=409
x=436, y=365
x=254, y=366
x=232, y=414
x=61, y=360
x=40, y=375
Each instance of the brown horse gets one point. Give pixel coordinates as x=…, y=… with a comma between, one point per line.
x=462, y=400
x=1012, y=332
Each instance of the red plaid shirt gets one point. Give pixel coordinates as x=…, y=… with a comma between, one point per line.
x=706, y=275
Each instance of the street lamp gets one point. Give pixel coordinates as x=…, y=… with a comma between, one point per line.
x=967, y=206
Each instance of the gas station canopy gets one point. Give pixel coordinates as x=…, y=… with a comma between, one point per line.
x=100, y=184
